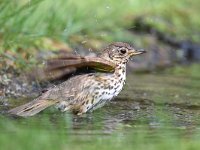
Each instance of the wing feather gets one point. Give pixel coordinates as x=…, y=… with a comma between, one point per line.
x=67, y=64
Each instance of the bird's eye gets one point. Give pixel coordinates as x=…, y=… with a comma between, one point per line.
x=123, y=51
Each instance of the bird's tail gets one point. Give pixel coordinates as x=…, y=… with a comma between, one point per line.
x=31, y=108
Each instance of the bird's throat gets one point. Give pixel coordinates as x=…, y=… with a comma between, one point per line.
x=120, y=73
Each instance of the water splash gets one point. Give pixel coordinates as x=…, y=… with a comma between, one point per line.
x=75, y=51
x=83, y=42
x=107, y=7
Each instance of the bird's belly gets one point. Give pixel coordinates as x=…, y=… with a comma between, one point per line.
x=106, y=95
x=94, y=97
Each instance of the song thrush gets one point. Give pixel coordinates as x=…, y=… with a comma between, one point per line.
x=86, y=92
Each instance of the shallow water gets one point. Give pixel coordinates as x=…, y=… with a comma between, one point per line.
x=147, y=104
x=146, y=97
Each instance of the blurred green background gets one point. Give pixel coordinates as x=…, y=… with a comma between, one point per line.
x=159, y=110
x=29, y=26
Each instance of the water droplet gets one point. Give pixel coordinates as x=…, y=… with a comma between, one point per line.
x=83, y=42
x=75, y=51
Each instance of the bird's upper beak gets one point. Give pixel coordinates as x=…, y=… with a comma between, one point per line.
x=135, y=52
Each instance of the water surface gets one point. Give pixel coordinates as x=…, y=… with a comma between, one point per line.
x=151, y=108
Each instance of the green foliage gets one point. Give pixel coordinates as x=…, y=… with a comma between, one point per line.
x=24, y=24
x=177, y=18
x=24, y=21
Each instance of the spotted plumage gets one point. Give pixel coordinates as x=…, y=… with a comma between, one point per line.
x=86, y=92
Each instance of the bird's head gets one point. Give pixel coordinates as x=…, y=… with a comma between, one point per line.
x=120, y=52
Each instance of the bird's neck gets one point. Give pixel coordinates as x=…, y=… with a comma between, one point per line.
x=120, y=71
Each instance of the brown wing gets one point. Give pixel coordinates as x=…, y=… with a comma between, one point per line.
x=69, y=63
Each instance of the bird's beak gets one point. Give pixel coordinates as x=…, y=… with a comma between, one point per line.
x=135, y=52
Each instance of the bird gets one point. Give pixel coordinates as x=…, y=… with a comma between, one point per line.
x=84, y=92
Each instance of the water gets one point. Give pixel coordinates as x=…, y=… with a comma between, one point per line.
x=156, y=108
